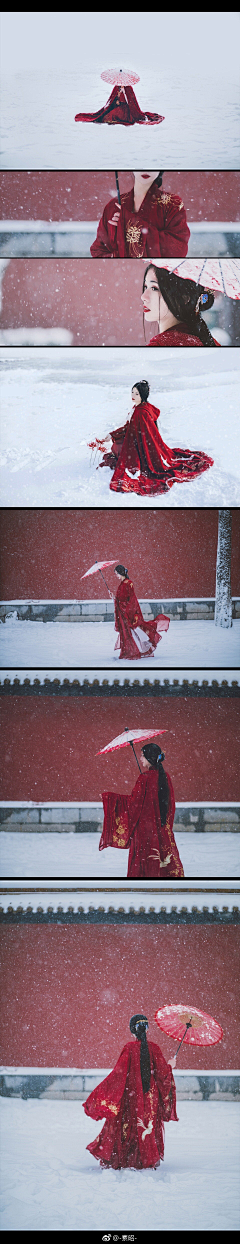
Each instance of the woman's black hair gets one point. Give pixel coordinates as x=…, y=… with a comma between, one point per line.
x=142, y=387
x=137, y=1026
x=158, y=180
x=184, y=299
x=122, y=570
x=153, y=753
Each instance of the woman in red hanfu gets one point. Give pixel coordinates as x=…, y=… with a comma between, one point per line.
x=136, y=1099
x=143, y=821
x=136, y=638
x=140, y=460
x=175, y=305
x=121, y=108
x=148, y=222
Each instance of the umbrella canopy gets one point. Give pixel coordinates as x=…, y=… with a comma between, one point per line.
x=129, y=736
x=97, y=566
x=118, y=77
x=220, y=275
x=188, y=1024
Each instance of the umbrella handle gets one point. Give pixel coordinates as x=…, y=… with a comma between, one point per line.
x=118, y=191
x=189, y=1025
x=133, y=748
x=106, y=584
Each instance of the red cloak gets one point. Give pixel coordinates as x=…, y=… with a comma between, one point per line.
x=121, y=108
x=158, y=228
x=133, y=1134
x=134, y=821
x=138, y=447
x=178, y=335
x=128, y=620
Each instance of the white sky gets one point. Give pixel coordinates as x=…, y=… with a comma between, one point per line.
x=193, y=42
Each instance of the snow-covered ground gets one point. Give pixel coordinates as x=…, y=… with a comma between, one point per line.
x=51, y=1182
x=92, y=644
x=188, y=73
x=77, y=855
x=54, y=401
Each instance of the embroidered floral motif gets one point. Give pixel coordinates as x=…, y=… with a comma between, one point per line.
x=120, y=833
x=133, y=233
x=110, y=1106
x=134, y=240
x=165, y=198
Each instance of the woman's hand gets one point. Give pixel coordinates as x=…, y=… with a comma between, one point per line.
x=115, y=218
x=172, y=1062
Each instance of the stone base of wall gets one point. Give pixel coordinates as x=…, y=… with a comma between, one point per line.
x=211, y=1086
x=42, y=239
x=81, y=819
x=103, y=610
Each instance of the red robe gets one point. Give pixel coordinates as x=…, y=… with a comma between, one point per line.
x=178, y=335
x=138, y=447
x=133, y=1134
x=128, y=617
x=134, y=821
x=159, y=228
x=121, y=108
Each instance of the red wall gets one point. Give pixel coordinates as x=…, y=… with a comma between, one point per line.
x=82, y=195
x=45, y=552
x=69, y=991
x=66, y=293
x=99, y=304
x=50, y=745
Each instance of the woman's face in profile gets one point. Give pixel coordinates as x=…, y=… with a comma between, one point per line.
x=136, y=399
x=153, y=302
x=145, y=762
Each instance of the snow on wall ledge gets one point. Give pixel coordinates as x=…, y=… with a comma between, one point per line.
x=71, y=681
x=113, y=900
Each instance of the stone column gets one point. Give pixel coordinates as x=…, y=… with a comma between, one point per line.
x=223, y=599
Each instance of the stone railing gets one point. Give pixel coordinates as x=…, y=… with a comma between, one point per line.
x=74, y=237
x=87, y=818
x=76, y=1085
x=188, y=610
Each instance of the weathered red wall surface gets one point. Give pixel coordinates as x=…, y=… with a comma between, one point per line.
x=49, y=746
x=100, y=304
x=82, y=195
x=68, y=991
x=45, y=552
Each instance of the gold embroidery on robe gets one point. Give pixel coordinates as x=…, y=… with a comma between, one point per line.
x=110, y=1106
x=165, y=198
x=120, y=833
x=169, y=830
x=135, y=240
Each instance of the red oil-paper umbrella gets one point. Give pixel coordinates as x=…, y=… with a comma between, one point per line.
x=222, y=275
x=129, y=737
x=98, y=567
x=119, y=77
x=192, y=1026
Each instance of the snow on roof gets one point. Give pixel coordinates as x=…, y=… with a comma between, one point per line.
x=87, y=677
x=138, y=898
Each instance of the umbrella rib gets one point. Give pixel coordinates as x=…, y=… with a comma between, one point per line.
x=223, y=281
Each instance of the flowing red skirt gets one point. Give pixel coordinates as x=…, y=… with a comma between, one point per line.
x=143, y=463
x=136, y=638
x=122, y=112
x=133, y=1133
